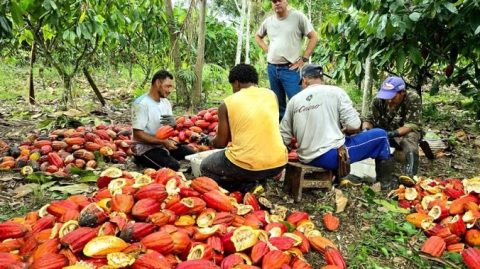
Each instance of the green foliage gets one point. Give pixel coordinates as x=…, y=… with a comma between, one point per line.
x=418, y=40
x=215, y=84
x=448, y=110
x=220, y=37
x=142, y=36
x=354, y=92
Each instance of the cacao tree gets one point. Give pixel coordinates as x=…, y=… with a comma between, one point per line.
x=183, y=98
x=422, y=41
x=197, y=88
x=67, y=33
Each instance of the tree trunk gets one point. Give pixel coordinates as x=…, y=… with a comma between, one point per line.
x=197, y=89
x=31, y=87
x=94, y=86
x=130, y=61
x=240, y=33
x=67, y=95
x=183, y=97
x=367, y=86
x=247, y=39
x=148, y=71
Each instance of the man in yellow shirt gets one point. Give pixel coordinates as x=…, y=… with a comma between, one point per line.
x=249, y=131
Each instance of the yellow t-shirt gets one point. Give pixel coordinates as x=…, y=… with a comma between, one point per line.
x=255, y=132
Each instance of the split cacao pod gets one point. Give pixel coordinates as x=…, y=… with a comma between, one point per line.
x=151, y=260
x=50, y=261
x=78, y=238
x=103, y=245
x=204, y=184
x=275, y=259
x=434, y=245
x=330, y=222
x=334, y=257
x=159, y=241
x=11, y=229
x=217, y=200
x=471, y=257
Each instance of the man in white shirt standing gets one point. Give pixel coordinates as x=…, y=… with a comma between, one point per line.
x=285, y=30
x=325, y=124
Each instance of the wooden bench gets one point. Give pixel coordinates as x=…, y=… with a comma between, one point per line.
x=299, y=176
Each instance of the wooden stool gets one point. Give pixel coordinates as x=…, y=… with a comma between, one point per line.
x=299, y=176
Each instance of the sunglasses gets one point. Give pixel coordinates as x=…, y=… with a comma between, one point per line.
x=276, y=1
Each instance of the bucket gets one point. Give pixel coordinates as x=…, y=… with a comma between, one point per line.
x=196, y=160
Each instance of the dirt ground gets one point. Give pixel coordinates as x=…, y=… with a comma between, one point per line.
x=461, y=160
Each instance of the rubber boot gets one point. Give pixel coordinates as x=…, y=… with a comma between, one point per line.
x=411, y=164
x=410, y=169
x=384, y=170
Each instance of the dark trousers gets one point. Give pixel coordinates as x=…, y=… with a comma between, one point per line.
x=407, y=143
x=232, y=177
x=160, y=157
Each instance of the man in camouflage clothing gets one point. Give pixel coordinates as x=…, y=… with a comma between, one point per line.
x=399, y=112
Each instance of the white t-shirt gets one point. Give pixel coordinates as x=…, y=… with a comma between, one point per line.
x=315, y=117
x=285, y=36
x=146, y=115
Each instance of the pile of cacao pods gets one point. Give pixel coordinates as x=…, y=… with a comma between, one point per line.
x=55, y=153
x=448, y=212
x=157, y=219
x=189, y=128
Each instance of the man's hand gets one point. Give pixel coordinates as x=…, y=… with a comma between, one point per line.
x=204, y=140
x=297, y=65
x=392, y=134
x=195, y=137
x=170, y=144
x=168, y=120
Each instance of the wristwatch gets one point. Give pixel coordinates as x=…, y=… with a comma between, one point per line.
x=304, y=59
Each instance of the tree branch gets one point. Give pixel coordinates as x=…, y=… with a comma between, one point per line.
x=444, y=262
x=42, y=44
x=238, y=6
x=79, y=58
x=185, y=21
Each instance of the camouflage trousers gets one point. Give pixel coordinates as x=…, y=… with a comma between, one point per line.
x=407, y=143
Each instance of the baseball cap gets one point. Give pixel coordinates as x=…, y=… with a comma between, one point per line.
x=390, y=87
x=311, y=70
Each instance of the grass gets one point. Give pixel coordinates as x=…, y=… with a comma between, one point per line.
x=7, y=211
x=449, y=110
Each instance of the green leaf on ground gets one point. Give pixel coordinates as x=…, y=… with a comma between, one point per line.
x=391, y=207
x=47, y=185
x=46, y=124
x=39, y=177
x=71, y=189
x=290, y=227
x=85, y=175
x=454, y=257
x=24, y=190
